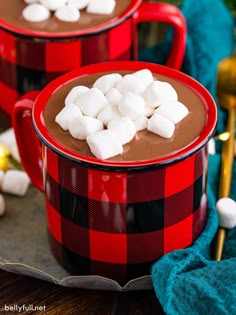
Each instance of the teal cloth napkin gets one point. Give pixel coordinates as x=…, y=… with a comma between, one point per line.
x=189, y=281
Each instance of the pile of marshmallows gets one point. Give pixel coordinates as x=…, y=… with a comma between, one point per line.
x=65, y=10
x=109, y=114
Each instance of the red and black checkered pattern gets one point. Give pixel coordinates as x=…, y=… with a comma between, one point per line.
x=28, y=64
x=115, y=224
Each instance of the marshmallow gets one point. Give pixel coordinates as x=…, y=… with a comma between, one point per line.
x=173, y=110
x=67, y=114
x=101, y=6
x=107, y=81
x=82, y=126
x=92, y=102
x=2, y=174
x=15, y=152
x=53, y=5
x=161, y=126
x=145, y=75
x=68, y=13
x=104, y=144
x=141, y=123
x=130, y=83
x=15, y=182
x=132, y=105
x=35, y=12
x=2, y=205
x=108, y=113
x=31, y=1
x=113, y=96
x=149, y=111
x=75, y=93
x=8, y=138
x=159, y=92
x=226, y=209
x=211, y=146
x=78, y=4
x=123, y=128
x=124, y=105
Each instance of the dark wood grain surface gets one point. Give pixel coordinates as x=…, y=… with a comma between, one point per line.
x=22, y=291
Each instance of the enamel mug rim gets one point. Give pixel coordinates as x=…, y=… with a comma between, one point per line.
x=53, y=144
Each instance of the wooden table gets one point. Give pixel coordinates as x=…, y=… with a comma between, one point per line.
x=21, y=291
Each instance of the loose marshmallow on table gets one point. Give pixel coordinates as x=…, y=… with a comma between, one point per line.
x=53, y=5
x=15, y=152
x=101, y=6
x=15, y=182
x=113, y=96
x=8, y=138
x=211, y=146
x=108, y=113
x=106, y=82
x=173, y=110
x=35, y=12
x=159, y=92
x=130, y=83
x=78, y=4
x=82, y=126
x=123, y=128
x=2, y=205
x=68, y=113
x=132, y=105
x=92, y=102
x=75, y=93
x=226, y=208
x=104, y=144
x=67, y=13
x=161, y=126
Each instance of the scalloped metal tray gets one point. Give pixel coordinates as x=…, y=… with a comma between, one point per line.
x=24, y=248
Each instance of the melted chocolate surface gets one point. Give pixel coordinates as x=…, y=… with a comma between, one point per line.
x=145, y=145
x=11, y=12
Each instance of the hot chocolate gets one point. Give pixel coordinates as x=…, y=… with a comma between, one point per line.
x=145, y=145
x=11, y=12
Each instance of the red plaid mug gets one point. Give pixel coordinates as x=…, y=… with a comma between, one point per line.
x=30, y=59
x=89, y=201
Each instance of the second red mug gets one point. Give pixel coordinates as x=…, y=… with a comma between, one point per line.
x=30, y=58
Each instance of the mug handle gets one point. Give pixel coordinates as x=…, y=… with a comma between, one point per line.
x=28, y=144
x=166, y=13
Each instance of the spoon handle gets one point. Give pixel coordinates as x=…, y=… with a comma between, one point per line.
x=226, y=176
x=227, y=156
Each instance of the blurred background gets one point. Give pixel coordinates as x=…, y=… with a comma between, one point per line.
x=151, y=33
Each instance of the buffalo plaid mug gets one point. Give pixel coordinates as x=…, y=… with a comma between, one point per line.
x=115, y=218
x=30, y=58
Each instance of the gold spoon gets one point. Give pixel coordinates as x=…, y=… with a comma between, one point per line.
x=226, y=87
